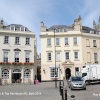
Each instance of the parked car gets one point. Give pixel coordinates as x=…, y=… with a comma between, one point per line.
x=76, y=83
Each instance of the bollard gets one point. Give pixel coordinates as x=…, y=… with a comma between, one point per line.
x=62, y=93
x=59, y=86
x=72, y=97
x=63, y=82
x=65, y=94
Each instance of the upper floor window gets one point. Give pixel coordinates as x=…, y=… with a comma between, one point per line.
x=94, y=43
x=27, y=40
x=58, y=56
x=49, y=56
x=87, y=42
x=57, y=41
x=67, y=55
x=65, y=30
x=22, y=28
x=76, y=55
x=48, y=42
x=75, y=40
x=6, y=39
x=5, y=59
x=27, y=58
x=12, y=27
x=17, y=40
x=16, y=56
x=66, y=41
x=95, y=57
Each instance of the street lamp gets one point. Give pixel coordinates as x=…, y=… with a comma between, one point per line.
x=55, y=60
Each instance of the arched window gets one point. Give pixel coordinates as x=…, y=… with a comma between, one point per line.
x=16, y=71
x=27, y=73
x=5, y=74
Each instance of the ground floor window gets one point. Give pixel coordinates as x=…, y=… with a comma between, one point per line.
x=76, y=71
x=27, y=73
x=5, y=74
x=52, y=72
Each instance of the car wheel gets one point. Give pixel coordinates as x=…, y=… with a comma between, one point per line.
x=85, y=88
x=69, y=86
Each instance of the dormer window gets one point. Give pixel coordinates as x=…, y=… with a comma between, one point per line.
x=12, y=28
x=22, y=28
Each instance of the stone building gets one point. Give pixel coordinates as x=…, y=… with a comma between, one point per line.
x=66, y=49
x=17, y=54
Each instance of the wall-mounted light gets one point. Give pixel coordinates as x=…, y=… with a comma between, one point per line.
x=44, y=70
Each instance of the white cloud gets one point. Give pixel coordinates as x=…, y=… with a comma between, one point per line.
x=31, y=12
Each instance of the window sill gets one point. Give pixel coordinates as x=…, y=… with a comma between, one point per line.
x=48, y=46
x=49, y=61
x=58, y=46
x=76, y=60
x=17, y=44
x=54, y=77
x=58, y=60
x=28, y=44
x=5, y=43
x=87, y=46
x=66, y=45
x=75, y=45
x=67, y=59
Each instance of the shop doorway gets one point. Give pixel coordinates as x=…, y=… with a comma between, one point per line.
x=16, y=77
x=67, y=73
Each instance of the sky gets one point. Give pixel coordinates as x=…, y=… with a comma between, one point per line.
x=52, y=12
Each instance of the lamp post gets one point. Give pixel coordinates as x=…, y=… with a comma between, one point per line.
x=55, y=60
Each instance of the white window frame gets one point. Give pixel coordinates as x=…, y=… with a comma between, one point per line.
x=27, y=75
x=27, y=41
x=52, y=71
x=76, y=72
x=57, y=41
x=76, y=57
x=66, y=56
x=16, y=57
x=17, y=40
x=5, y=74
x=58, y=56
x=94, y=43
x=5, y=57
x=66, y=41
x=48, y=41
x=12, y=28
x=95, y=57
x=49, y=57
x=75, y=40
x=27, y=57
x=6, y=39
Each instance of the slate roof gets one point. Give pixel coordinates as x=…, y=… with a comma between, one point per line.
x=60, y=27
x=87, y=28
x=17, y=27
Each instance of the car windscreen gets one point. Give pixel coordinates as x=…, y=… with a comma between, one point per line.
x=77, y=79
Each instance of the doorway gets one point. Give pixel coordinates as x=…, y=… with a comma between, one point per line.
x=67, y=73
x=16, y=77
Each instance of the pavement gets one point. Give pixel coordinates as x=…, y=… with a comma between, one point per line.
x=42, y=91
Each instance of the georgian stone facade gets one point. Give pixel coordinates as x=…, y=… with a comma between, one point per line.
x=69, y=48
x=17, y=54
